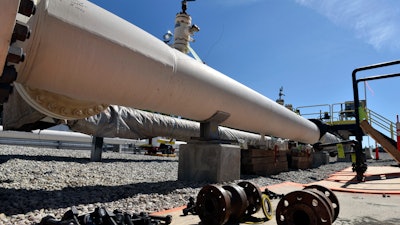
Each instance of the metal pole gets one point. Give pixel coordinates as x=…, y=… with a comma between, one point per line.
x=360, y=167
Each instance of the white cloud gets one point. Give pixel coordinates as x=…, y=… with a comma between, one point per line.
x=377, y=22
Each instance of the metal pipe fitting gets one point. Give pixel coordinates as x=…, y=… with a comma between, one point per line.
x=21, y=32
x=314, y=205
x=15, y=55
x=9, y=75
x=27, y=7
x=217, y=205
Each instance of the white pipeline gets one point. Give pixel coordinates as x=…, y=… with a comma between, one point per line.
x=61, y=136
x=82, y=51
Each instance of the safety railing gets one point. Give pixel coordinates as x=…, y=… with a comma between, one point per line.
x=377, y=120
x=344, y=113
x=338, y=113
x=322, y=112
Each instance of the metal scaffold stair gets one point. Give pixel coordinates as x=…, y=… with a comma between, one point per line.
x=388, y=144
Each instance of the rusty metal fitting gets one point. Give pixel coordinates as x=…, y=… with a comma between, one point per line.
x=314, y=205
x=213, y=205
x=9, y=75
x=21, y=32
x=5, y=90
x=254, y=197
x=330, y=195
x=27, y=7
x=239, y=202
x=217, y=205
x=15, y=55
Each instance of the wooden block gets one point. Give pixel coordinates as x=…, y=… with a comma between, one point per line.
x=263, y=162
x=301, y=162
x=257, y=153
x=266, y=160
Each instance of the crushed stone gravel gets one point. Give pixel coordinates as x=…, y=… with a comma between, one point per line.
x=39, y=181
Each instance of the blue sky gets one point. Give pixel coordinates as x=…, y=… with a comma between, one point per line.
x=310, y=47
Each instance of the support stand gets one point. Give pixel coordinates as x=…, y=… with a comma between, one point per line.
x=97, y=149
x=208, y=159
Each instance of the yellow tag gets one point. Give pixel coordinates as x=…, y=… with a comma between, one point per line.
x=340, y=151
x=353, y=157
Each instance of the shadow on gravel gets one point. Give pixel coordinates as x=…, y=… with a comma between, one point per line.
x=5, y=158
x=21, y=201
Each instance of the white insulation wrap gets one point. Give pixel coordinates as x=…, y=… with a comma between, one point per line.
x=123, y=122
x=80, y=50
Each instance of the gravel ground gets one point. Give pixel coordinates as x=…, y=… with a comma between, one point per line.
x=35, y=182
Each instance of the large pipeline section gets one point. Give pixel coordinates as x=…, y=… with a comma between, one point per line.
x=83, y=52
x=125, y=122
x=58, y=138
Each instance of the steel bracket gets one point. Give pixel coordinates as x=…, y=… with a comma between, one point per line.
x=209, y=127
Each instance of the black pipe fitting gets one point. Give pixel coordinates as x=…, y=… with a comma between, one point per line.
x=21, y=32
x=27, y=7
x=15, y=55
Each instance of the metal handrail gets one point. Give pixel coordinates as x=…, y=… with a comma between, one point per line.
x=341, y=114
x=320, y=113
x=381, y=121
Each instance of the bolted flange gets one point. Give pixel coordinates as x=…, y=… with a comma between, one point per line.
x=239, y=202
x=254, y=196
x=58, y=106
x=217, y=205
x=330, y=195
x=213, y=205
x=314, y=205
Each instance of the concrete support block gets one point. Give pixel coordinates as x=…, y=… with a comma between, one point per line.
x=320, y=158
x=209, y=162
